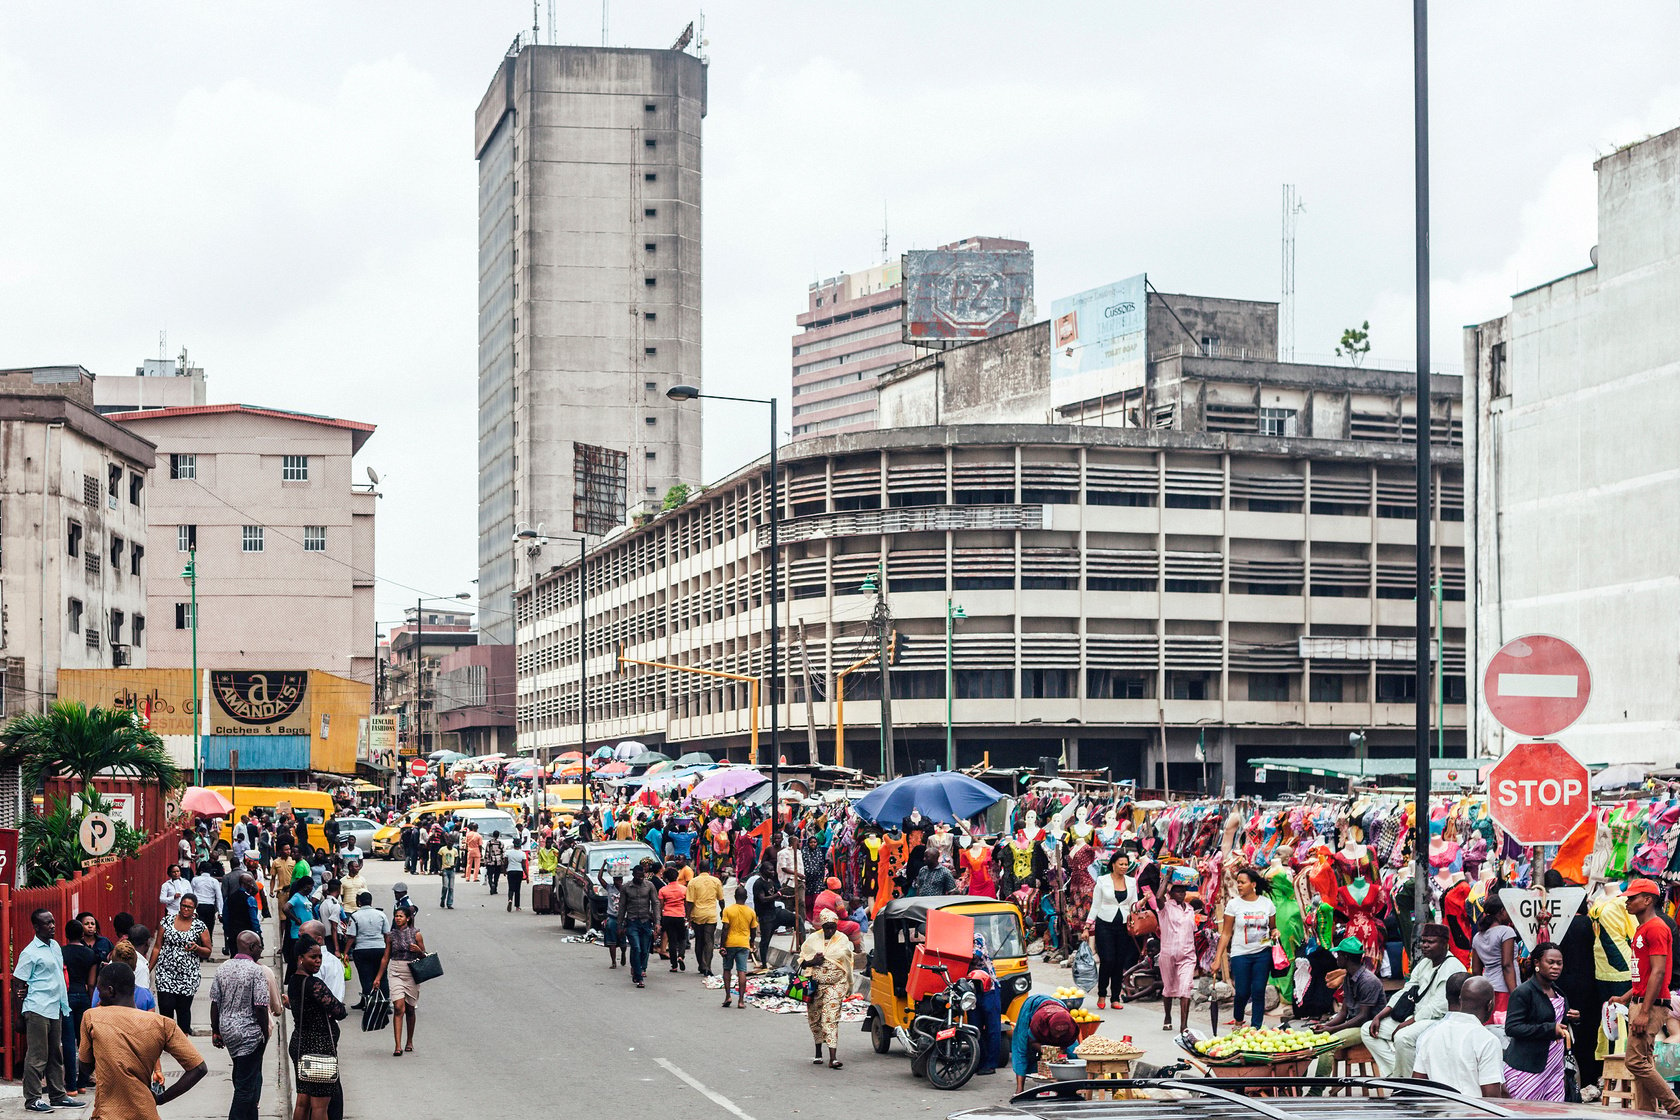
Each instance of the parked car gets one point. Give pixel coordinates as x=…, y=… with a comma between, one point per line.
x=581, y=897
x=487, y=820
x=361, y=828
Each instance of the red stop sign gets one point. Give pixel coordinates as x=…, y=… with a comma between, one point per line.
x=1538, y=793
x=417, y=767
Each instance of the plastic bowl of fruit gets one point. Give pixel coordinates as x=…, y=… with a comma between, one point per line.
x=1071, y=1070
x=1071, y=998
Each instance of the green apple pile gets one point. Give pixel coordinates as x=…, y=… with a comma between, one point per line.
x=1261, y=1040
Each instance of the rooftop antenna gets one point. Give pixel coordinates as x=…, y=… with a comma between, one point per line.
x=1286, y=301
x=163, y=343
x=884, y=257
x=604, y=22
x=553, y=36
x=536, y=34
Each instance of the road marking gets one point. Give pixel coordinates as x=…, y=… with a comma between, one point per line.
x=716, y=1098
x=1551, y=686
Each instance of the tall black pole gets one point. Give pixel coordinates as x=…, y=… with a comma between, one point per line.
x=775, y=633
x=1420, y=147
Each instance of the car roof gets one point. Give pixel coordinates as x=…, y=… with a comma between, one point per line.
x=1260, y=1098
x=915, y=909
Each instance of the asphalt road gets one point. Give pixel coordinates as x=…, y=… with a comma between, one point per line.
x=522, y=1021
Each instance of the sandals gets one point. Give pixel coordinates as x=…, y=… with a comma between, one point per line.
x=816, y=1061
x=836, y=1064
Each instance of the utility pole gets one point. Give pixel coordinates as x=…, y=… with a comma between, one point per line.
x=810, y=704
x=884, y=620
x=1420, y=152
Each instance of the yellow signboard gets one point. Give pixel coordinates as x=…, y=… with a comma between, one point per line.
x=165, y=696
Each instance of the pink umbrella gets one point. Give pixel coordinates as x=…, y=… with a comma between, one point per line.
x=727, y=783
x=205, y=802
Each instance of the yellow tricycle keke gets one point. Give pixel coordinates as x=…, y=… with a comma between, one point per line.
x=899, y=930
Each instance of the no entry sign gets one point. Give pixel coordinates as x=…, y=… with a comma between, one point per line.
x=1537, y=685
x=417, y=767
x=1538, y=793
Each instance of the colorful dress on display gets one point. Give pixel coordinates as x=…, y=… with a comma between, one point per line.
x=1364, y=905
x=894, y=852
x=1021, y=857
x=978, y=870
x=1080, y=886
x=1292, y=931
x=1107, y=843
x=746, y=855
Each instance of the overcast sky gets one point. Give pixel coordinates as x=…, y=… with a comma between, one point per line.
x=289, y=191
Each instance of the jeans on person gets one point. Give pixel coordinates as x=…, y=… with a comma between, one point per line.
x=1651, y=1093
x=769, y=921
x=640, y=936
x=705, y=941
x=367, y=967
x=676, y=937
x=206, y=913
x=1249, y=973
x=44, y=1066
x=514, y=879
x=247, y=1083
x=1116, y=952
x=446, y=897
x=179, y=1008
x=1345, y=1038
x=989, y=1011
x=71, y=1028
x=492, y=875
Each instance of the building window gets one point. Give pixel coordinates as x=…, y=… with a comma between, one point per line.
x=1271, y=687
x=116, y=555
x=73, y=539
x=183, y=466
x=650, y=177
x=116, y=627
x=1047, y=683
x=186, y=538
x=650, y=212
x=92, y=638
x=652, y=420
x=650, y=143
x=1210, y=345
x=650, y=351
x=294, y=468
x=73, y=615
x=184, y=616
x=1396, y=688
x=651, y=386
x=314, y=538
x=251, y=540
x=650, y=281
x=982, y=684
x=113, y=485
x=650, y=316
x=136, y=485
x=651, y=246
x=135, y=552
x=1326, y=688
x=1277, y=421
x=1112, y=684
x=1187, y=686
x=90, y=490
x=139, y=629
x=652, y=455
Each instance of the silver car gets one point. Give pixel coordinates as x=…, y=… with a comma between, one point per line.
x=362, y=828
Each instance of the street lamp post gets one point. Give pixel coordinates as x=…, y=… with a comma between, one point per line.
x=190, y=574
x=689, y=393
x=953, y=614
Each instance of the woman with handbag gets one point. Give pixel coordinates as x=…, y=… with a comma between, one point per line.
x=1537, y=1026
x=1113, y=909
x=314, y=1046
x=403, y=946
x=825, y=959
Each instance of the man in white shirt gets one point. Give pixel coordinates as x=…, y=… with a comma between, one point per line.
x=332, y=967
x=174, y=889
x=1392, y=1035
x=1458, y=1050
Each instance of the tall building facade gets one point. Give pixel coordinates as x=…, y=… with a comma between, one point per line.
x=588, y=289
x=849, y=334
x=1574, y=395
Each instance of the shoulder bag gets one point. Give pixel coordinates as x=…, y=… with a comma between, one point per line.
x=318, y=1068
x=376, y=1013
x=1142, y=923
x=425, y=968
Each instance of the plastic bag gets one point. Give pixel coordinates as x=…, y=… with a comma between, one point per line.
x=1084, y=967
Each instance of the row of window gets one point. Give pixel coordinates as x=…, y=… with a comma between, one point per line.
x=113, y=486
x=293, y=468
x=91, y=560
x=74, y=610
x=252, y=538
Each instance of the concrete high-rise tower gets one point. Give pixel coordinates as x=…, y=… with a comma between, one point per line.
x=588, y=290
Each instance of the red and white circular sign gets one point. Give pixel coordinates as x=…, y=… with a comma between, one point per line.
x=417, y=767
x=1537, y=685
x=1538, y=793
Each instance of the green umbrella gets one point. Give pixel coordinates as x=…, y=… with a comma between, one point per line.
x=696, y=758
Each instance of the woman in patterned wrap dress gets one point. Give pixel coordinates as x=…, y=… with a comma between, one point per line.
x=826, y=958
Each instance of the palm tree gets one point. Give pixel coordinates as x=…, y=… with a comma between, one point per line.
x=73, y=740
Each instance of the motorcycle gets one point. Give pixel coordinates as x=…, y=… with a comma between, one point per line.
x=944, y=1046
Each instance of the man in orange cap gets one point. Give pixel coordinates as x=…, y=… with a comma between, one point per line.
x=1647, y=999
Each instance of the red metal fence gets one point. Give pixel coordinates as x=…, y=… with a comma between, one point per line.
x=104, y=891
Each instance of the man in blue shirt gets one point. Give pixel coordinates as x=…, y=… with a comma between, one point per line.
x=38, y=983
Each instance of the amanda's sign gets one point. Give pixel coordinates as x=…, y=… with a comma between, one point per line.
x=258, y=702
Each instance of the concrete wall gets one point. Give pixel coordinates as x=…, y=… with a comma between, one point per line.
x=50, y=444
x=1234, y=328
x=1577, y=515
x=604, y=301
x=283, y=607
x=994, y=381
x=132, y=394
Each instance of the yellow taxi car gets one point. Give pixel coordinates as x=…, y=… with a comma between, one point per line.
x=387, y=840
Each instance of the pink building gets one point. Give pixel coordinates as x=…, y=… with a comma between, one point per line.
x=283, y=538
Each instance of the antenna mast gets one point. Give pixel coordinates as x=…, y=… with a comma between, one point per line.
x=1286, y=301
x=604, y=22
x=553, y=36
x=884, y=257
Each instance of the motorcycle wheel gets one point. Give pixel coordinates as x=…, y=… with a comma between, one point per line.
x=880, y=1035
x=952, y=1062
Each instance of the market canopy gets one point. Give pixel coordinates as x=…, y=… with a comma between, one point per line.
x=646, y=758
x=1392, y=771
x=696, y=758
x=941, y=796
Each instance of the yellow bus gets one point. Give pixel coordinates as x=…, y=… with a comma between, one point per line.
x=312, y=805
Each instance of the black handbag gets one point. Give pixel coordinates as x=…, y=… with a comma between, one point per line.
x=376, y=1012
x=425, y=968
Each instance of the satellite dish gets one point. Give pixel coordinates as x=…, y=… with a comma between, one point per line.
x=373, y=476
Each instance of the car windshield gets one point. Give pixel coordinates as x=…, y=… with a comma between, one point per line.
x=633, y=853
x=1002, y=931
x=486, y=822
x=313, y=816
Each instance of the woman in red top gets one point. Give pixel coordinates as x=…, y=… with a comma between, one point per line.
x=829, y=899
x=673, y=918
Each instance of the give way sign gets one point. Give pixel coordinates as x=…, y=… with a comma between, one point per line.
x=1539, y=915
x=1538, y=792
x=1537, y=685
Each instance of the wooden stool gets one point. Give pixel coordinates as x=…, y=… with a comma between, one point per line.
x=1615, y=1085
x=1356, y=1061
x=1107, y=1069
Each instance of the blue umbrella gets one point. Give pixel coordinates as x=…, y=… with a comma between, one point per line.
x=941, y=796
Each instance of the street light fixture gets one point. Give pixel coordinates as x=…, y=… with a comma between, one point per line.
x=953, y=614
x=190, y=574
x=692, y=392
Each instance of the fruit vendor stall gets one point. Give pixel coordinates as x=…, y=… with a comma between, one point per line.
x=1258, y=1051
